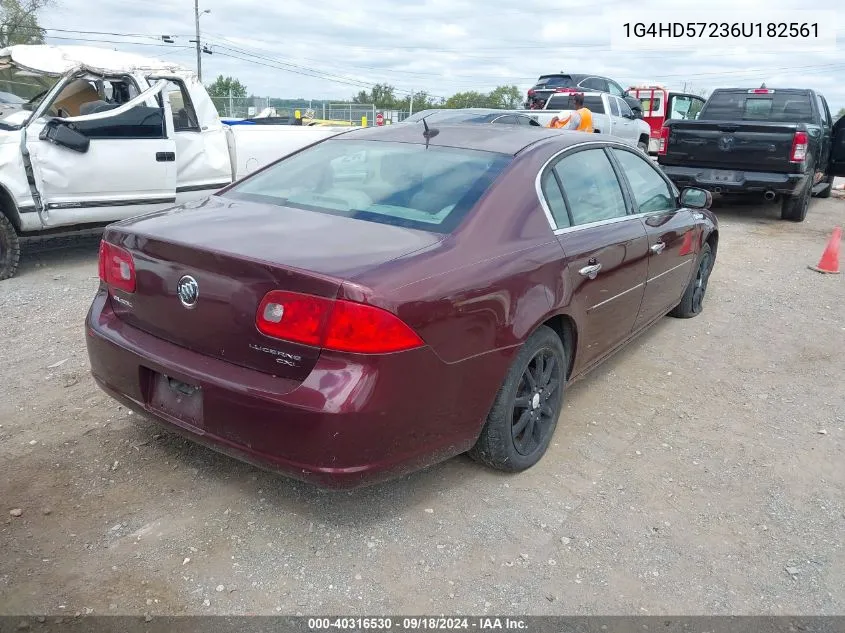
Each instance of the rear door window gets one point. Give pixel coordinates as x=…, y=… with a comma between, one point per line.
x=403, y=184
x=594, y=83
x=591, y=188
x=614, y=107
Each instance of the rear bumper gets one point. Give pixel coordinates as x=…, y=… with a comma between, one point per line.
x=745, y=181
x=355, y=420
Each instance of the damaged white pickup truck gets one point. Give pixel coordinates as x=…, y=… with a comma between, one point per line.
x=89, y=136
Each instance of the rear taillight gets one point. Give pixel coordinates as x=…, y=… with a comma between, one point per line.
x=531, y=92
x=799, y=148
x=663, y=143
x=338, y=325
x=117, y=268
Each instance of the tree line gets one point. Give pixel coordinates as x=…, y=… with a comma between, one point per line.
x=386, y=97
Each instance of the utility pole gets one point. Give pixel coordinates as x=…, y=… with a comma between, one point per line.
x=231, y=102
x=199, y=48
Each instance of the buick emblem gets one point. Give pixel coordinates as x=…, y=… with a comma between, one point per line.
x=726, y=143
x=188, y=291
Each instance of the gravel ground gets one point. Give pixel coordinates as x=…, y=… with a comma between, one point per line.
x=698, y=472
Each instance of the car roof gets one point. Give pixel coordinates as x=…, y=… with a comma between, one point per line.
x=502, y=139
x=471, y=112
x=570, y=75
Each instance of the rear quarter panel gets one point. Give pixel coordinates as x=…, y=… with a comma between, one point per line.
x=488, y=285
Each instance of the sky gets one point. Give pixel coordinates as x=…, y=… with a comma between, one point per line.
x=331, y=49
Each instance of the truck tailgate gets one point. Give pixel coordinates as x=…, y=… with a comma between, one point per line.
x=757, y=146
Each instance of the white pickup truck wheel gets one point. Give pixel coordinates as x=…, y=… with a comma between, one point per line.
x=10, y=248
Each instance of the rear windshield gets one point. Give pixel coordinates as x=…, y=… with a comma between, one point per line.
x=556, y=81
x=565, y=102
x=780, y=107
x=402, y=184
x=457, y=116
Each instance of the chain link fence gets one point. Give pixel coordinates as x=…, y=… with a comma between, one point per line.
x=349, y=113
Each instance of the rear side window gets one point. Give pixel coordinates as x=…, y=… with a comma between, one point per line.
x=591, y=187
x=594, y=83
x=780, y=107
x=403, y=184
x=184, y=116
x=554, y=199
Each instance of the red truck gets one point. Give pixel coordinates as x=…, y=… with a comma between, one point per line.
x=660, y=104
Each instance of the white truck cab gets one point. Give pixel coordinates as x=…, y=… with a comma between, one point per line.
x=89, y=136
x=611, y=115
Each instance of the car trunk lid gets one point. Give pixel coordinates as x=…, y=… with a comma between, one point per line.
x=237, y=252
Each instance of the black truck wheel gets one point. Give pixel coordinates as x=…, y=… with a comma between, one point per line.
x=794, y=207
x=10, y=248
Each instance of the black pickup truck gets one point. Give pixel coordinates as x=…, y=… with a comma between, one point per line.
x=778, y=143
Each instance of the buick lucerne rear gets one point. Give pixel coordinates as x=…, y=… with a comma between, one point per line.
x=373, y=304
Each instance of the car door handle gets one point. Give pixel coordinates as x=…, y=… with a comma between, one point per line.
x=165, y=157
x=590, y=271
x=658, y=248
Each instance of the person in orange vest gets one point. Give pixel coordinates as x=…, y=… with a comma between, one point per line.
x=581, y=120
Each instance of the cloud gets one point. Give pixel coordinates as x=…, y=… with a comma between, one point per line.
x=331, y=49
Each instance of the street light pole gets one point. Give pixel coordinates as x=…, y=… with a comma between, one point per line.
x=199, y=48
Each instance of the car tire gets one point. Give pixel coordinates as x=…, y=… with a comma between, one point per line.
x=826, y=193
x=692, y=303
x=10, y=248
x=794, y=207
x=524, y=415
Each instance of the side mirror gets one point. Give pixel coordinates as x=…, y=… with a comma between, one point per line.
x=695, y=198
x=62, y=133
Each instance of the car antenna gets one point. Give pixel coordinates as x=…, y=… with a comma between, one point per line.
x=429, y=133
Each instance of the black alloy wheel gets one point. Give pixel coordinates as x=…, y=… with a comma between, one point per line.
x=537, y=402
x=522, y=421
x=702, y=276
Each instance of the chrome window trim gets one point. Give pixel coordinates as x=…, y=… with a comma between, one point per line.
x=538, y=186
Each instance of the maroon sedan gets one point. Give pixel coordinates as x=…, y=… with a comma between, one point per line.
x=391, y=297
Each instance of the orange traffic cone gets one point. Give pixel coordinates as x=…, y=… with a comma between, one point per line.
x=829, y=262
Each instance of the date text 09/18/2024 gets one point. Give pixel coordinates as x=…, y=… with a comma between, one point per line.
x=409, y=624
